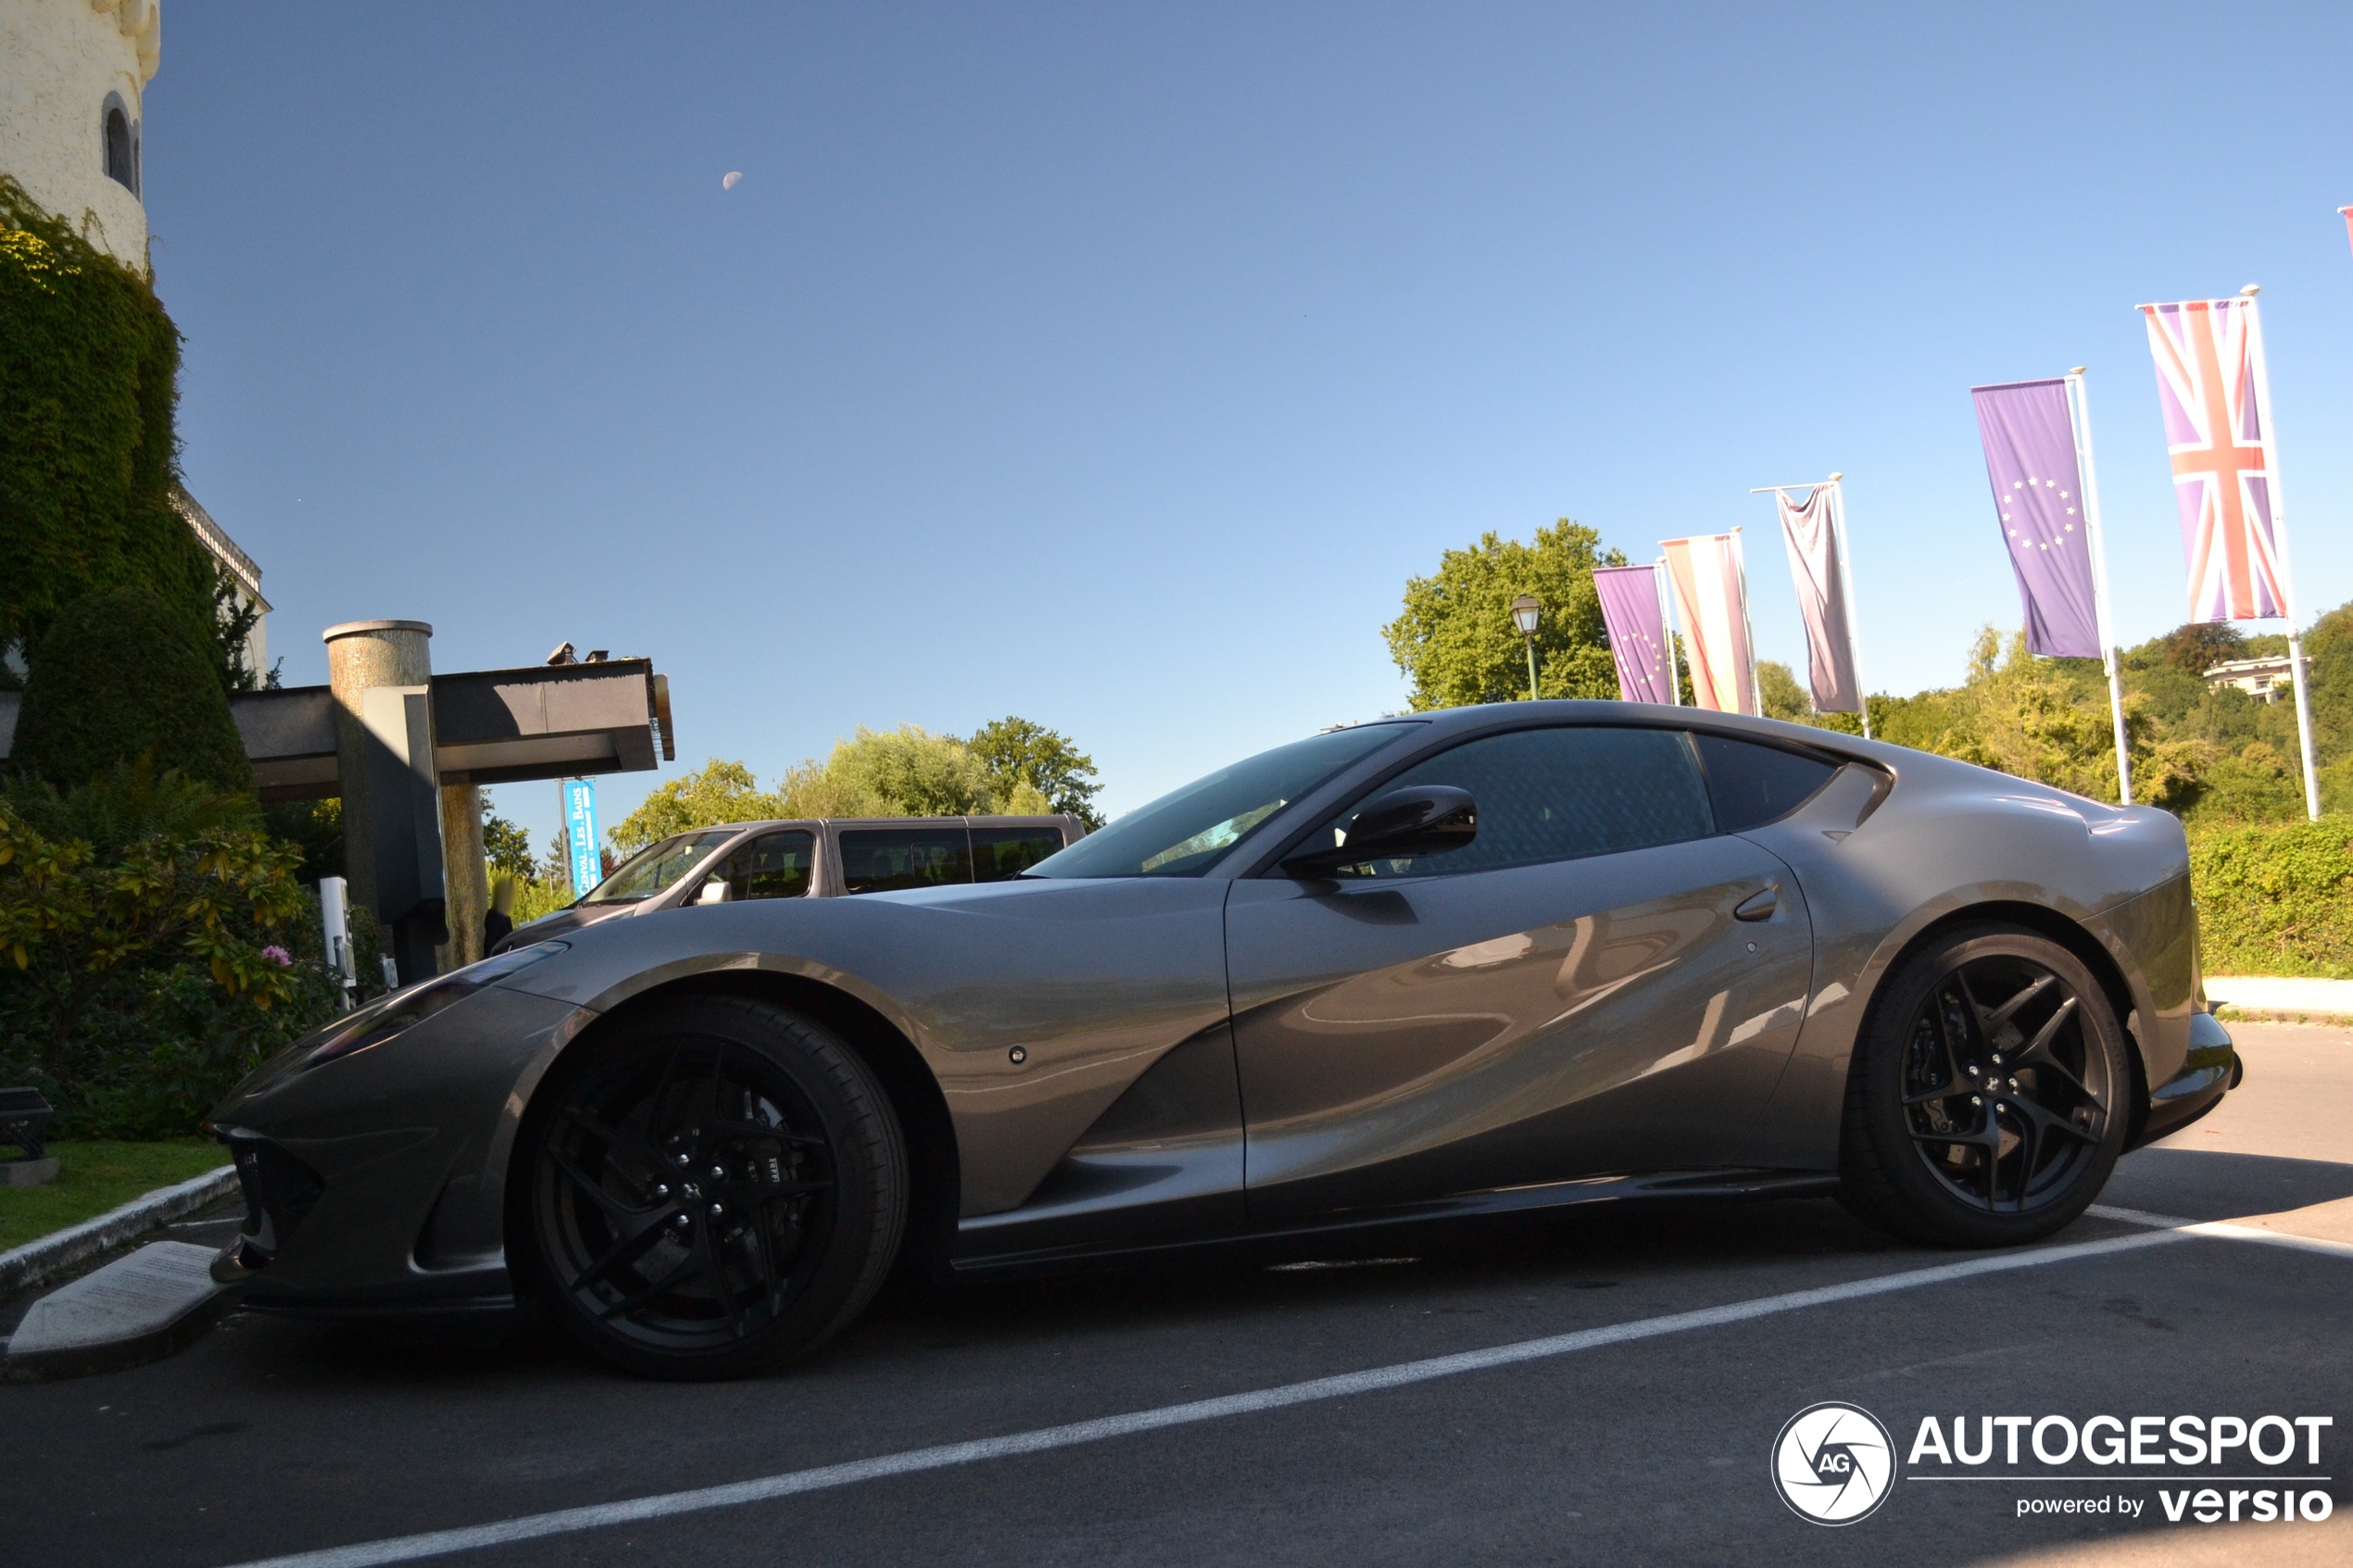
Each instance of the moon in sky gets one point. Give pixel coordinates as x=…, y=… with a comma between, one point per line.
x=728, y=182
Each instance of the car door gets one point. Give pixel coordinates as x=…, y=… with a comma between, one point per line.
x=1602, y=982
x=774, y=865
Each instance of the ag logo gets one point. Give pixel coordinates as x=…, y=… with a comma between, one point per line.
x=1834, y=1463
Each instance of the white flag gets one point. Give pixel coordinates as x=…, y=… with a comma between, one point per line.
x=1821, y=599
x=1711, y=599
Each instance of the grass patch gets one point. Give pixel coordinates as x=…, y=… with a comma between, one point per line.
x=94, y=1175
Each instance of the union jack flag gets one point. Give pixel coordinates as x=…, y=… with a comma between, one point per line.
x=2219, y=432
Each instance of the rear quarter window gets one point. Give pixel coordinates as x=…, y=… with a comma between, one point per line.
x=1751, y=784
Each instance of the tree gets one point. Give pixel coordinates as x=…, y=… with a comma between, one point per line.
x=907, y=772
x=1455, y=641
x=720, y=792
x=506, y=847
x=2199, y=645
x=1018, y=752
x=1784, y=699
x=118, y=675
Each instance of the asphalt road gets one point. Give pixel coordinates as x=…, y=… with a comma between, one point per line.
x=1651, y=1445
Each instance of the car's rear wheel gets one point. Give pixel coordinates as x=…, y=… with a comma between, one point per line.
x=1986, y=1105
x=713, y=1187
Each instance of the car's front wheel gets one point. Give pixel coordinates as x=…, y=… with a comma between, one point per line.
x=713, y=1187
x=1986, y=1103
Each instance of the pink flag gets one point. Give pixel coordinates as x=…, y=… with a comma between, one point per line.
x=2209, y=354
x=1810, y=531
x=1711, y=599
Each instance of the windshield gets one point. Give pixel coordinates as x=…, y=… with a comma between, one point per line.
x=1183, y=833
x=657, y=866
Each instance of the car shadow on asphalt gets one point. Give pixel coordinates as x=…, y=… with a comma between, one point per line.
x=1462, y=1268
x=2200, y=1183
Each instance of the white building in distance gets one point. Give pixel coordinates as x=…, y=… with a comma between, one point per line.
x=73, y=74
x=73, y=82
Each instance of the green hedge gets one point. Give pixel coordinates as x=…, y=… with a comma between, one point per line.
x=2275, y=898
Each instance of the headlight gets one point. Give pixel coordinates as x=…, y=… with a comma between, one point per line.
x=379, y=1021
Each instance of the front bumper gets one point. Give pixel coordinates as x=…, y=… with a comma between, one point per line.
x=377, y=1181
x=2211, y=1070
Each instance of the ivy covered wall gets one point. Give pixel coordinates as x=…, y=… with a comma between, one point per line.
x=88, y=384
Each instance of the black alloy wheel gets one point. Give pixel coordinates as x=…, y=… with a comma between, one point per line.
x=1987, y=1104
x=713, y=1189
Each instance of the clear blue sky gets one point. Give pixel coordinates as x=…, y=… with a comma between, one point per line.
x=1115, y=366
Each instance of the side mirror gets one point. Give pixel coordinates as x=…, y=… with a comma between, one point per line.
x=713, y=892
x=1425, y=820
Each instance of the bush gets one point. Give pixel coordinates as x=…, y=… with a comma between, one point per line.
x=2275, y=898
x=153, y=949
x=120, y=675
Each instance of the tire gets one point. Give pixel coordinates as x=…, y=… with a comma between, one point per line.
x=1988, y=1098
x=662, y=1269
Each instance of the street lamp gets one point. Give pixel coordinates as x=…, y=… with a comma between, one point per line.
x=1525, y=611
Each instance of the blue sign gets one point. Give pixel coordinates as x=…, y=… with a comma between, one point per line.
x=580, y=822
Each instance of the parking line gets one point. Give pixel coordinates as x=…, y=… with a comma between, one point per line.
x=2222, y=1230
x=570, y=1520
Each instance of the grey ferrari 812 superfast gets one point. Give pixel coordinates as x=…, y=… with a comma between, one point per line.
x=1469, y=963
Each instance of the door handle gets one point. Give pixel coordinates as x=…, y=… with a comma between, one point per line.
x=1758, y=906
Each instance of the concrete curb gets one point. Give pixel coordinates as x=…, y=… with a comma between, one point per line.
x=37, y=1260
x=145, y=1305
x=2281, y=995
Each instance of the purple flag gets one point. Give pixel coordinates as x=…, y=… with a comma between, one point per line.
x=2038, y=495
x=1637, y=636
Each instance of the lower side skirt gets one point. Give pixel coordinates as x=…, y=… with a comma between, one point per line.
x=1348, y=1225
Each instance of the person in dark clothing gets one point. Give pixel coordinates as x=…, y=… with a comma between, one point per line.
x=499, y=922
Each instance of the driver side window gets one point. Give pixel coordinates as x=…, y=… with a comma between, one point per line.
x=1560, y=795
x=776, y=865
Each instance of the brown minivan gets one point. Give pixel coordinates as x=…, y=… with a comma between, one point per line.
x=820, y=858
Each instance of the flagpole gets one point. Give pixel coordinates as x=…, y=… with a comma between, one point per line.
x=1666, y=620
x=1748, y=627
x=2278, y=545
x=1846, y=569
x=2079, y=408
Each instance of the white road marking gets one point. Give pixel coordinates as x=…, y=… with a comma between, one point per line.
x=2221, y=1230
x=569, y=1521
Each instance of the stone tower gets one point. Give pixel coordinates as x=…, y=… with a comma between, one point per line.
x=73, y=75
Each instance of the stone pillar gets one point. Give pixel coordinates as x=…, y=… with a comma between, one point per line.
x=363, y=655
x=467, y=877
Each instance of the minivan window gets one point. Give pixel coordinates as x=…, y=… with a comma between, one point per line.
x=774, y=865
x=1002, y=854
x=656, y=867
x=886, y=859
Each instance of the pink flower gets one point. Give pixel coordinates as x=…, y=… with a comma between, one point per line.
x=278, y=955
